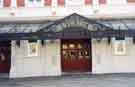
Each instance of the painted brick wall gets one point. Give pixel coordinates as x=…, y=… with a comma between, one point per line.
x=47, y=63
x=105, y=61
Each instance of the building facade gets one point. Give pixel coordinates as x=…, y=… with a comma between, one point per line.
x=56, y=37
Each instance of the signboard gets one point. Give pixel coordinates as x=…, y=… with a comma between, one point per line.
x=71, y=21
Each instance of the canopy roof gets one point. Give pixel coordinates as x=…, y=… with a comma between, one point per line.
x=122, y=24
x=72, y=26
x=22, y=27
x=74, y=20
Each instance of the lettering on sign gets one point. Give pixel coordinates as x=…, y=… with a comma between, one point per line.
x=73, y=21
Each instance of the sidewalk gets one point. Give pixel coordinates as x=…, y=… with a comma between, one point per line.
x=112, y=80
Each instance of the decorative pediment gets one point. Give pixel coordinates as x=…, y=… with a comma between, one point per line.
x=74, y=20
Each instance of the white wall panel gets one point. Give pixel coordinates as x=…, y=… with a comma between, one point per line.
x=47, y=63
x=104, y=61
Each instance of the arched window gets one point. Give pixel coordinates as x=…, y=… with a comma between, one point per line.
x=131, y=1
x=102, y=1
x=20, y=3
x=7, y=3
x=61, y=2
x=47, y=2
x=88, y=2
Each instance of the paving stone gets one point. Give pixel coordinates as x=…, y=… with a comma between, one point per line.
x=110, y=80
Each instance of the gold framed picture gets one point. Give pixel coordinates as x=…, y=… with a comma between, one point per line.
x=119, y=47
x=32, y=48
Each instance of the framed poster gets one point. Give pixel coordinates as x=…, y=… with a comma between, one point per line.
x=119, y=47
x=32, y=48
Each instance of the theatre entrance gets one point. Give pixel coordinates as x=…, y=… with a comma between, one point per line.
x=76, y=55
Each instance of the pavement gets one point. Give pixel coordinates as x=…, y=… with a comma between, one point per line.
x=79, y=80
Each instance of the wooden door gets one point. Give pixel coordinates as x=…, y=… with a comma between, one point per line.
x=5, y=56
x=76, y=56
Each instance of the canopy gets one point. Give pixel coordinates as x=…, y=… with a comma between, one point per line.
x=73, y=26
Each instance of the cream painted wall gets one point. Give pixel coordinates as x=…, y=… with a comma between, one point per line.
x=104, y=60
x=52, y=63
x=68, y=2
x=46, y=64
x=113, y=9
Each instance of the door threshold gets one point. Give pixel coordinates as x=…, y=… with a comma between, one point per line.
x=76, y=73
x=4, y=75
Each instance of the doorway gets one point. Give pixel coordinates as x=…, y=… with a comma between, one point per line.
x=76, y=55
x=5, y=56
